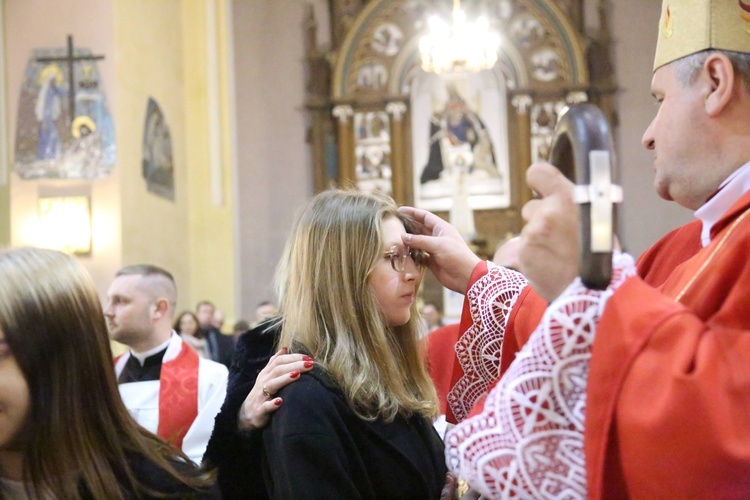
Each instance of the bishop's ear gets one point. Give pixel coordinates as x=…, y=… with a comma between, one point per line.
x=720, y=73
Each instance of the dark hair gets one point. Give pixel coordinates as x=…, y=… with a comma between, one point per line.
x=241, y=326
x=78, y=435
x=437, y=307
x=177, y=321
x=204, y=303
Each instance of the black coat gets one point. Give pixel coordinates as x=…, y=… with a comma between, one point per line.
x=317, y=447
x=222, y=346
x=238, y=455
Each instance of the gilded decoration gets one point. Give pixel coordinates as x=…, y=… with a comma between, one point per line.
x=378, y=121
x=540, y=42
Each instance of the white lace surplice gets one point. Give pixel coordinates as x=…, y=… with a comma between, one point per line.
x=478, y=350
x=528, y=440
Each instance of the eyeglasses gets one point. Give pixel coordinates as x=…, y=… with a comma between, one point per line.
x=398, y=258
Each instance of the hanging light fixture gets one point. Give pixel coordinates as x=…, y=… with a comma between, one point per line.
x=460, y=46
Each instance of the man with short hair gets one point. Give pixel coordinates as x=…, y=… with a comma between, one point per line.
x=166, y=386
x=263, y=311
x=432, y=316
x=239, y=327
x=642, y=390
x=218, y=319
x=218, y=346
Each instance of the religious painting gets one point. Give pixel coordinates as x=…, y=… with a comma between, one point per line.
x=157, y=166
x=65, y=130
x=544, y=115
x=460, y=141
x=372, y=150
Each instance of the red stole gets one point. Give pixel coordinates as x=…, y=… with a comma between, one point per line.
x=178, y=395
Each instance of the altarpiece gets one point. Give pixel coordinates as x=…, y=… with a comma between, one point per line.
x=378, y=121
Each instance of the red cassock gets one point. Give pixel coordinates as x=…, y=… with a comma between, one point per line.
x=668, y=394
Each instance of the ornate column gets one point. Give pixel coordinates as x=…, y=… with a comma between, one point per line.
x=318, y=106
x=522, y=104
x=318, y=133
x=400, y=184
x=345, y=144
x=576, y=97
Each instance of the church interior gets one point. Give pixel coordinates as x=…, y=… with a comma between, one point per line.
x=216, y=120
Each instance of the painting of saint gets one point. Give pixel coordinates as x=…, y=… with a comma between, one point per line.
x=460, y=144
x=51, y=143
x=48, y=110
x=458, y=134
x=372, y=151
x=157, y=166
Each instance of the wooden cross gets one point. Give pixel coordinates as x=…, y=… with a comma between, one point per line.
x=71, y=59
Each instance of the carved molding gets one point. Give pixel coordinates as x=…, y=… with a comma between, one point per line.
x=522, y=103
x=343, y=112
x=576, y=97
x=396, y=110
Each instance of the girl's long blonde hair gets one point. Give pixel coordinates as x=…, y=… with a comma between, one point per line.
x=328, y=308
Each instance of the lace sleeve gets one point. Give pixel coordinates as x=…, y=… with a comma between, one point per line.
x=528, y=441
x=491, y=300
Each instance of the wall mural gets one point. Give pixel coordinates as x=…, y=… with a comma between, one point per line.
x=543, y=120
x=64, y=128
x=372, y=149
x=157, y=165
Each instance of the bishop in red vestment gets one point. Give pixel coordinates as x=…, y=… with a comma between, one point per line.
x=641, y=390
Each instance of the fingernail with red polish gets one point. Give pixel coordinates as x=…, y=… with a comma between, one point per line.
x=284, y=350
x=294, y=374
x=309, y=364
x=277, y=401
x=306, y=358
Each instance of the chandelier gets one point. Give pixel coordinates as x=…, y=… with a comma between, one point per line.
x=460, y=46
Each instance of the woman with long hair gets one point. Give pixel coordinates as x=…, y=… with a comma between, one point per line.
x=358, y=422
x=187, y=327
x=64, y=432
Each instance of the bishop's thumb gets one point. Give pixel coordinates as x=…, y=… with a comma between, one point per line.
x=545, y=179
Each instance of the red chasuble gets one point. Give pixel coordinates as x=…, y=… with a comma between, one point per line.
x=668, y=396
x=668, y=400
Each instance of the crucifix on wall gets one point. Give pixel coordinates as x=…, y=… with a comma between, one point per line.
x=64, y=128
x=70, y=58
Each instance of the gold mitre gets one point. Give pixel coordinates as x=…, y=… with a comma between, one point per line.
x=690, y=26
